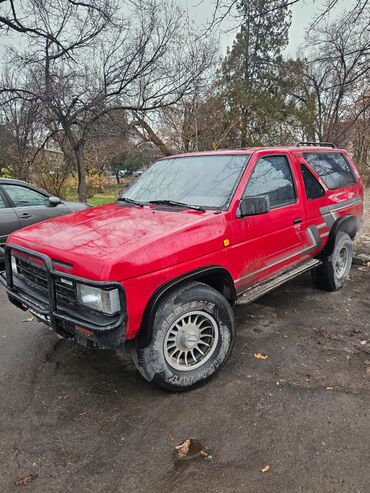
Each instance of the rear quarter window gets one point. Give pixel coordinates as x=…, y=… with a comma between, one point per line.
x=332, y=167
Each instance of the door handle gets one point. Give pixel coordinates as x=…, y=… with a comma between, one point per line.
x=297, y=221
x=25, y=215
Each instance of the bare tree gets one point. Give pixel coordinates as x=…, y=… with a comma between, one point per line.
x=355, y=13
x=85, y=60
x=50, y=171
x=20, y=118
x=177, y=127
x=229, y=10
x=359, y=137
x=336, y=77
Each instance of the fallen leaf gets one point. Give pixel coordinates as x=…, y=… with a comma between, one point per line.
x=183, y=449
x=26, y=480
x=171, y=438
x=260, y=356
x=83, y=414
x=204, y=453
x=265, y=468
x=363, y=343
x=30, y=319
x=329, y=388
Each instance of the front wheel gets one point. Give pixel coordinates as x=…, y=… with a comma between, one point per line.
x=335, y=268
x=193, y=335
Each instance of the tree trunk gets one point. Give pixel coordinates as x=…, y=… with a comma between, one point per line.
x=73, y=149
x=243, y=129
x=81, y=171
x=153, y=137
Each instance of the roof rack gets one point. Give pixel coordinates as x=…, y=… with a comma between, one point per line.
x=316, y=144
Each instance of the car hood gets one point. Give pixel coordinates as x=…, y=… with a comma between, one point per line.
x=116, y=241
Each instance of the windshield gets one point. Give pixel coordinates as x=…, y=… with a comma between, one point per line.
x=205, y=181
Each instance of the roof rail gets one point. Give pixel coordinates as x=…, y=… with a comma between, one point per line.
x=314, y=144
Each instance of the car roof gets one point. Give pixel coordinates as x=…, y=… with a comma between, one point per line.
x=252, y=150
x=14, y=181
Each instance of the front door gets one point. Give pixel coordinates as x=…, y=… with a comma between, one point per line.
x=271, y=242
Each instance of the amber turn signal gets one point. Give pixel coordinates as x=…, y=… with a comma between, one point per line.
x=84, y=331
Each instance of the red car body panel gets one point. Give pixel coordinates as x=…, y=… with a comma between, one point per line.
x=145, y=247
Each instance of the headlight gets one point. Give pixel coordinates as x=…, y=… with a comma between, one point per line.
x=99, y=299
x=14, y=264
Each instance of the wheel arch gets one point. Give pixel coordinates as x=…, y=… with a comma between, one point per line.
x=214, y=276
x=347, y=224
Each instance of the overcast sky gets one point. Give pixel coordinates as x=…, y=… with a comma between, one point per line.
x=201, y=11
x=303, y=13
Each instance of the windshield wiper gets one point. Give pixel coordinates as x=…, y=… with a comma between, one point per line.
x=130, y=201
x=179, y=204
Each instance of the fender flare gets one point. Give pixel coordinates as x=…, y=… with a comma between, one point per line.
x=348, y=224
x=145, y=332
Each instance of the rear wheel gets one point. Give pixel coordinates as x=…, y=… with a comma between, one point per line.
x=192, y=338
x=331, y=275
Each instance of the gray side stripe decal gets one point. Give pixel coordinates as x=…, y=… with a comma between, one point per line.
x=341, y=205
x=329, y=219
x=328, y=212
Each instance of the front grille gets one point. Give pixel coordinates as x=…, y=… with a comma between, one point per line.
x=32, y=274
x=36, y=276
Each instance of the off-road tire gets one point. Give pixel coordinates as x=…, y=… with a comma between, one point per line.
x=328, y=275
x=154, y=361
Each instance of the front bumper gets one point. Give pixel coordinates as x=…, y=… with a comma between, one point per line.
x=71, y=321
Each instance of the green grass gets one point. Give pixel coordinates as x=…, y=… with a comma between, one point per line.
x=101, y=199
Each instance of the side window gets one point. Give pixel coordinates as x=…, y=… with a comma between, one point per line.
x=332, y=167
x=23, y=196
x=272, y=177
x=313, y=188
x=2, y=203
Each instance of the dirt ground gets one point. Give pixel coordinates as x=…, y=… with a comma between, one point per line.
x=84, y=421
x=362, y=242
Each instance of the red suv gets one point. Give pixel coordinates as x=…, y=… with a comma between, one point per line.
x=160, y=269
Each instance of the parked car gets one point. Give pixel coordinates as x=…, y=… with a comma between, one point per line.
x=22, y=204
x=161, y=268
x=137, y=173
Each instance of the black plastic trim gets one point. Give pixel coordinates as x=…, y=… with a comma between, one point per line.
x=348, y=224
x=303, y=143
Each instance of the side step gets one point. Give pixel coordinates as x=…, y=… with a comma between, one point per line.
x=264, y=287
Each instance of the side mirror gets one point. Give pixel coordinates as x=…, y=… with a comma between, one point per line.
x=252, y=206
x=54, y=201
